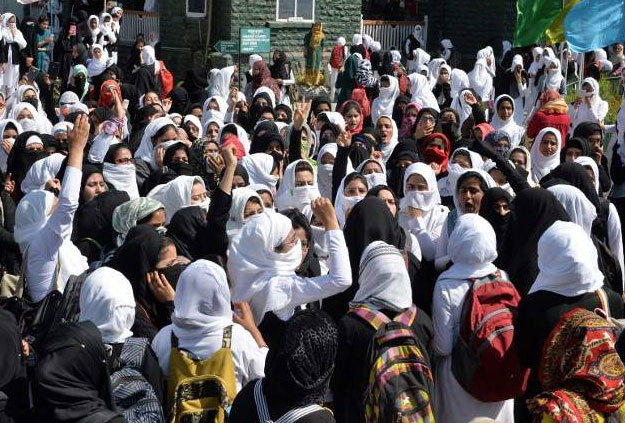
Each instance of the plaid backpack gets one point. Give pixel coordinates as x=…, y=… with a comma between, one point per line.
x=400, y=381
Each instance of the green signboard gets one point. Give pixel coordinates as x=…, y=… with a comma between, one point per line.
x=255, y=40
x=227, y=47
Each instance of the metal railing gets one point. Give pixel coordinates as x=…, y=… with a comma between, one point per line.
x=392, y=33
x=136, y=22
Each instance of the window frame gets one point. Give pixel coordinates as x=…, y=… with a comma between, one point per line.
x=195, y=14
x=295, y=18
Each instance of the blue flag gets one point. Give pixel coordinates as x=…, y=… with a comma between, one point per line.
x=592, y=24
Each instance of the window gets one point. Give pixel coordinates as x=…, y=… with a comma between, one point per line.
x=295, y=10
x=196, y=8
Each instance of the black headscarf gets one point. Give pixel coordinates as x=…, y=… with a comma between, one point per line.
x=242, y=172
x=497, y=221
x=386, y=67
x=195, y=82
x=177, y=168
x=72, y=379
x=269, y=133
x=279, y=67
x=184, y=228
x=575, y=142
x=576, y=175
x=137, y=256
x=298, y=371
x=20, y=160
x=405, y=150
x=256, y=110
x=360, y=149
x=316, y=102
x=287, y=109
x=586, y=129
x=398, y=113
x=88, y=169
x=10, y=349
x=375, y=191
x=179, y=101
x=534, y=210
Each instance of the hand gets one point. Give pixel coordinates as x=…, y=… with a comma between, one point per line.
x=6, y=147
x=597, y=155
x=300, y=115
x=229, y=156
x=324, y=211
x=577, y=102
x=217, y=166
x=344, y=139
x=436, y=168
x=80, y=134
x=234, y=97
x=279, y=81
x=377, y=155
x=9, y=183
x=159, y=157
x=414, y=212
x=166, y=104
x=423, y=130
x=244, y=106
x=243, y=316
x=160, y=287
x=470, y=99
x=517, y=76
x=3, y=67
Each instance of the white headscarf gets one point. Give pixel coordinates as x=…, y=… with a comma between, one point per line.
x=595, y=99
x=123, y=177
x=31, y=216
x=220, y=84
x=175, y=194
x=253, y=262
x=97, y=66
x=324, y=172
x=554, y=77
x=435, y=67
x=376, y=178
x=542, y=165
x=567, y=261
x=62, y=128
x=208, y=113
x=528, y=162
x=356, y=39
x=387, y=149
x=421, y=91
x=266, y=90
x=447, y=48
x=517, y=60
x=460, y=106
x=259, y=166
x=481, y=79
x=384, y=103
x=579, y=208
x=509, y=126
x=340, y=41
x=336, y=118
x=201, y=304
x=342, y=203
x=107, y=301
x=5, y=156
x=383, y=282
x=94, y=32
x=472, y=248
x=488, y=180
x=421, y=57
x=396, y=55
x=240, y=197
x=148, y=55
x=41, y=172
x=196, y=122
x=145, y=151
x=290, y=196
x=41, y=123
x=587, y=161
x=100, y=147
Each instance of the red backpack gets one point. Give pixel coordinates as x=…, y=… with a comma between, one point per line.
x=484, y=358
x=166, y=79
x=336, y=58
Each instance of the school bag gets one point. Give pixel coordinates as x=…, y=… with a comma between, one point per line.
x=609, y=265
x=291, y=416
x=336, y=58
x=166, y=79
x=134, y=396
x=400, y=380
x=201, y=391
x=484, y=359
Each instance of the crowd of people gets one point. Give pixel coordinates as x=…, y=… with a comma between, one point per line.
x=424, y=244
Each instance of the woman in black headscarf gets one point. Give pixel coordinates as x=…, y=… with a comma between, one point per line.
x=21, y=159
x=184, y=228
x=358, y=151
x=179, y=101
x=593, y=134
x=495, y=208
x=63, y=48
x=533, y=212
x=297, y=371
x=195, y=83
x=319, y=104
x=309, y=267
x=404, y=154
x=71, y=378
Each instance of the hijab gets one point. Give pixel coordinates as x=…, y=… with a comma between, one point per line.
x=472, y=248
x=100, y=146
x=41, y=123
x=498, y=222
x=481, y=79
x=145, y=151
x=553, y=78
x=435, y=154
x=387, y=149
x=259, y=167
x=421, y=92
x=580, y=209
x=240, y=197
x=407, y=123
x=589, y=162
x=324, y=171
x=365, y=74
x=176, y=194
x=126, y=216
x=342, y=203
x=291, y=196
x=253, y=263
x=575, y=174
x=567, y=261
x=4, y=156
x=461, y=107
x=459, y=81
x=541, y=165
x=383, y=279
x=41, y=172
x=509, y=126
x=383, y=104
x=97, y=66
x=107, y=301
x=122, y=177
x=185, y=229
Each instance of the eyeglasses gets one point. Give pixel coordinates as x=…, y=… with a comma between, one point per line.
x=199, y=197
x=125, y=161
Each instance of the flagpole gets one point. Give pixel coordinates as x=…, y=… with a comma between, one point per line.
x=581, y=72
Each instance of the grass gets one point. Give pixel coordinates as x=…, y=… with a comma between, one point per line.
x=610, y=90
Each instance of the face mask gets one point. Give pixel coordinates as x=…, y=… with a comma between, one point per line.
x=204, y=205
x=28, y=124
x=422, y=200
x=213, y=114
x=32, y=100
x=162, y=230
x=434, y=155
x=172, y=273
x=325, y=172
x=292, y=257
x=375, y=179
x=303, y=196
x=11, y=141
x=181, y=168
x=350, y=202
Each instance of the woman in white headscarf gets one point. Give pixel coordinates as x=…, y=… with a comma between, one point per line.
x=325, y=166
x=145, y=152
x=460, y=105
x=99, y=61
x=119, y=171
x=14, y=41
x=420, y=58
x=481, y=78
x=504, y=119
x=9, y=130
x=184, y=191
x=215, y=107
x=143, y=209
x=545, y=152
x=435, y=67
x=421, y=210
x=552, y=79
x=30, y=119
x=298, y=188
x=246, y=205
x=41, y=172
x=220, y=84
x=447, y=49
x=43, y=227
x=591, y=107
x=472, y=250
x=202, y=312
x=421, y=91
x=261, y=169
x=579, y=208
x=263, y=257
x=384, y=103
x=389, y=135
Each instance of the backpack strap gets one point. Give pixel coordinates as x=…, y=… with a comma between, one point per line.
x=373, y=317
x=407, y=317
x=133, y=352
x=605, y=305
x=227, y=339
x=290, y=416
